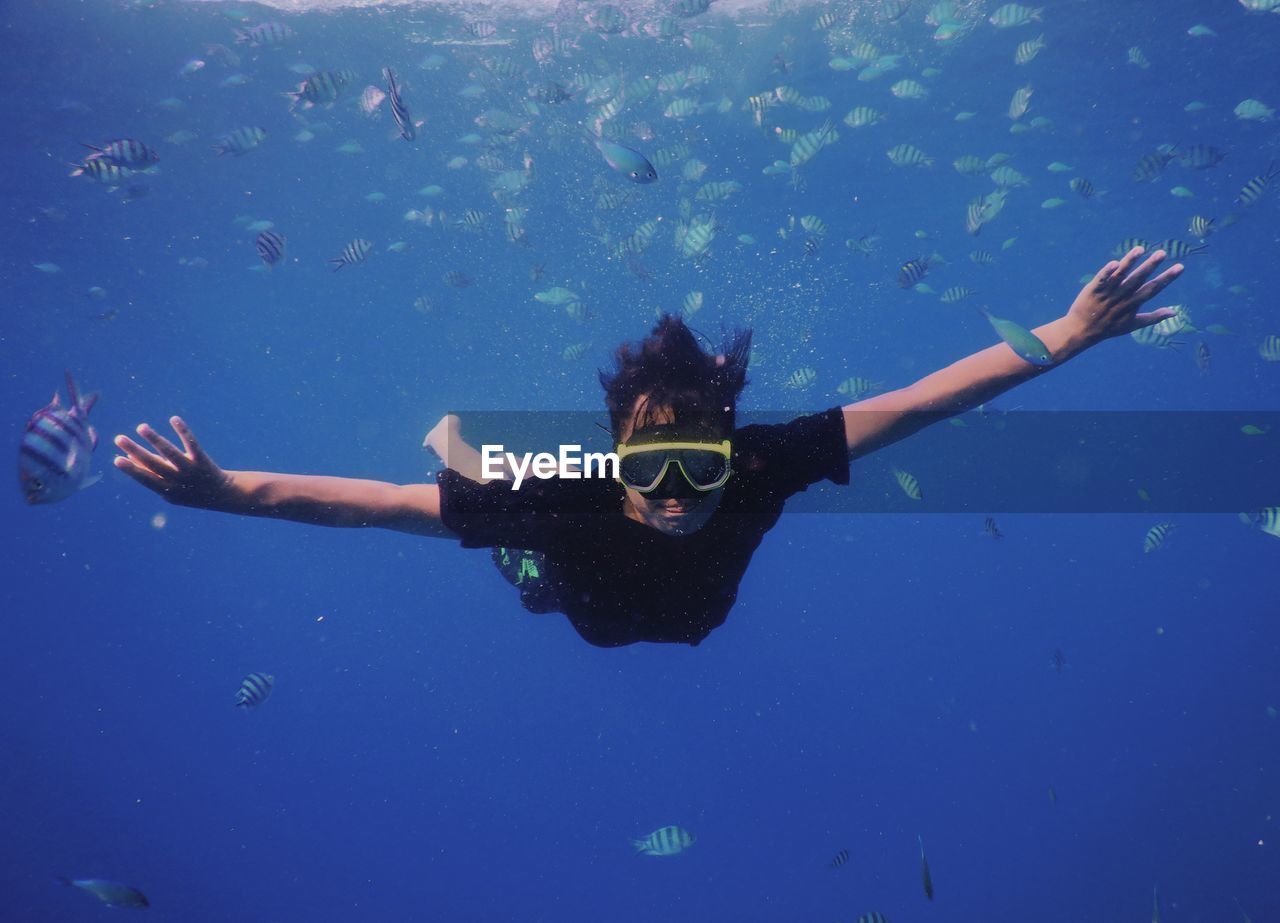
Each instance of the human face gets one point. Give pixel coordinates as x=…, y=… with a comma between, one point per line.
x=669, y=508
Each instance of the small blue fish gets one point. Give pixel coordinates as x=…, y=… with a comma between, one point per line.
x=631, y=164
x=53, y=461
x=111, y=893
x=1022, y=341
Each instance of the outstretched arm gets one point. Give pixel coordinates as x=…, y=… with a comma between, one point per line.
x=189, y=477
x=1106, y=307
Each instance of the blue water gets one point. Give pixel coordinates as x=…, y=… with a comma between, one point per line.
x=432, y=751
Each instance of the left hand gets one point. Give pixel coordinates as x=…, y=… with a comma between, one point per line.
x=1108, y=305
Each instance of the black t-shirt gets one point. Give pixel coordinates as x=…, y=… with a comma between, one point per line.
x=620, y=581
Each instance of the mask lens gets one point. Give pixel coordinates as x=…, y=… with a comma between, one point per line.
x=704, y=469
x=641, y=470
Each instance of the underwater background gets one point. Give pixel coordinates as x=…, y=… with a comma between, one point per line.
x=1066, y=721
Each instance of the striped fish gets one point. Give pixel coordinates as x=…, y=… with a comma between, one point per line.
x=807, y=146
x=1126, y=245
x=102, y=171
x=840, y=859
x=1013, y=14
x=665, y=841
x=1179, y=249
x=990, y=528
x=1020, y=102
x=1200, y=156
x=1006, y=177
x=574, y=352
x=813, y=225
x=352, y=253
x=873, y=917
x=324, y=87
x=680, y=108
x=399, y=111
x=1269, y=349
x=697, y=237
x=1149, y=336
x=982, y=258
x=909, y=89
x=471, y=220
x=956, y=293
x=801, y=379
x=126, y=152
x=1252, y=191
x=862, y=116
x=911, y=272
x=240, y=141
x=717, y=191
x=1268, y=520
x=1082, y=187
x=1201, y=226
x=254, y=690
x=270, y=247
x=1150, y=166
x=1156, y=536
x=855, y=387
x=910, y=486
x=53, y=459
x=976, y=215
x=692, y=303
x=907, y=155
x=1027, y=51
x=266, y=33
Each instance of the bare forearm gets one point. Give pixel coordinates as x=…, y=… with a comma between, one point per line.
x=334, y=501
x=976, y=379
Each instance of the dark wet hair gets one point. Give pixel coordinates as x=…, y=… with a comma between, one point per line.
x=671, y=370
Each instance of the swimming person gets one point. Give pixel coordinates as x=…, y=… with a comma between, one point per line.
x=657, y=554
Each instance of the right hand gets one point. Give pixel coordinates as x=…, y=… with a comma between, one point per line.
x=185, y=477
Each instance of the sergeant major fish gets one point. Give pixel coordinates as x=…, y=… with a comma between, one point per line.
x=271, y=247
x=240, y=141
x=665, y=841
x=352, y=253
x=254, y=690
x=53, y=461
x=267, y=33
x=399, y=111
x=126, y=152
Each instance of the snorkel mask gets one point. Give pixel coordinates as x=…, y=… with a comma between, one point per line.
x=681, y=465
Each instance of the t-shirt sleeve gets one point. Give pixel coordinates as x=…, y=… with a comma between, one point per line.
x=493, y=514
x=789, y=457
